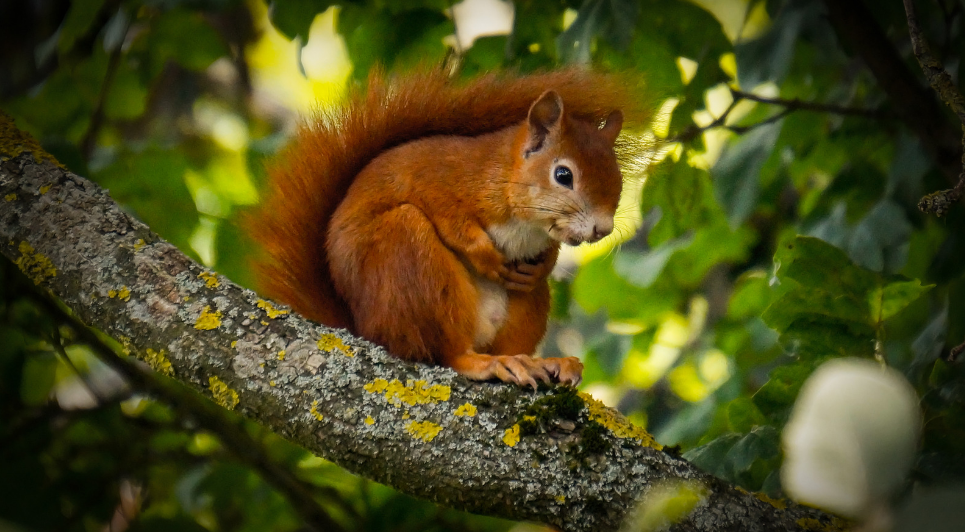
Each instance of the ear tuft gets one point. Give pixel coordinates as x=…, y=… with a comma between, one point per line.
x=611, y=128
x=544, y=116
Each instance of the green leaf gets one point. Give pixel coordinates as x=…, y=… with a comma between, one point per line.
x=39, y=375
x=777, y=395
x=737, y=172
x=768, y=57
x=295, y=17
x=761, y=443
x=642, y=269
x=743, y=415
x=711, y=457
x=892, y=298
x=77, y=22
x=487, y=53
x=814, y=263
x=683, y=196
x=185, y=37
x=813, y=336
x=879, y=241
x=612, y=19
x=382, y=37
x=598, y=286
x=127, y=97
x=751, y=295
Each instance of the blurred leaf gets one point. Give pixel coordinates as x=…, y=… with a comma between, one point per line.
x=127, y=98
x=294, y=17
x=768, y=57
x=711, y=457
x=150, y=183
x=380, y=37
x=79, y=19
x=185, y=37
x=743, y=415
x=737, y=172
x=893, y=297
x=684, y=196
x=750, y=297
x=486, y=54
x=39, y=375
x=642, y=269
x=928, y=345
x=612, y=19
x=777, y=395
x=880, y=240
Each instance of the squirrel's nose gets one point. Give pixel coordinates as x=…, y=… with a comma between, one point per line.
x=599, y=232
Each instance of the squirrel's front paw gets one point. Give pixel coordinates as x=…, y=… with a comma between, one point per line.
x=488, y=262
x=525, y=276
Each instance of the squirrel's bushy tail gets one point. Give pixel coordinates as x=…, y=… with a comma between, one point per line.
x=309, y=178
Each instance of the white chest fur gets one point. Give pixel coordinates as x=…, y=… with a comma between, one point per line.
x=518, y=239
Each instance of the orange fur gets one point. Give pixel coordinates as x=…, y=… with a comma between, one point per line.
x=408, y=214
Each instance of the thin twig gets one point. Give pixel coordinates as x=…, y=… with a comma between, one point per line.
x=802, y=105
x=790, y=106
x=955, y=351
x=57, y=340
x=937, y=202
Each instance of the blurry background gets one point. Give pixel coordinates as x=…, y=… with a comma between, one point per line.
x=775, y=229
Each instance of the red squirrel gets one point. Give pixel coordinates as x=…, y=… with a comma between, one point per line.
x=426, y=214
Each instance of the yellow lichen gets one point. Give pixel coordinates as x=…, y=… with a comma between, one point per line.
x=836, y=524
x=468, y=410
x=411, y=393
x=369, y=420
x=222, y=394
x=511, y=436
x=780, y=504
x=208, y=320
x=281, y=355
x=616, y=423
x=561, y=499
x=35, y=265
x=44, y=189
x=13, y=141
x=271, y=383
x=405, y=415
x=210, y=279
x=112, y=293
x=329, y=341
x=138, y=244
x=235, y=343
x=10, y=197
x=158, y=361
x=270, y=309
x=314, y=411
x=265, y=323
x=124, y=294
x=423, y=430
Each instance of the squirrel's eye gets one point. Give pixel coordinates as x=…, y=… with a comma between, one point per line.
x=563, y=176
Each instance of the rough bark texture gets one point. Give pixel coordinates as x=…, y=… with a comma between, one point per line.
x=403, y=424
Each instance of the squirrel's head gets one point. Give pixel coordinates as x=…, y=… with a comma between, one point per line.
x=567, y=179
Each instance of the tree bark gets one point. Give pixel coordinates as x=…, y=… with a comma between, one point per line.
x=423, y=430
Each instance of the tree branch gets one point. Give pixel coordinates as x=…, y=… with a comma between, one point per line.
x=856, y=26
x=938, y=202
x=341, y=397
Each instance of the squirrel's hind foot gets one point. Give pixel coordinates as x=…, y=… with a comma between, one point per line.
x=523, y=370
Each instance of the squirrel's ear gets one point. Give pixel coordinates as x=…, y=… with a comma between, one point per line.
x=544, y=116
x=611, y=128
